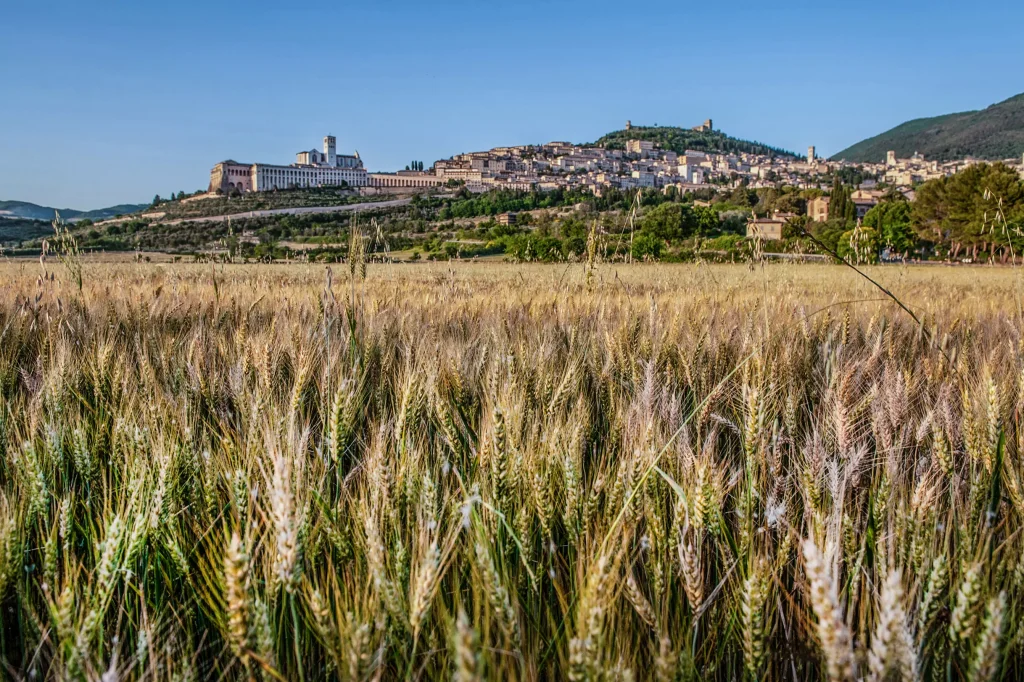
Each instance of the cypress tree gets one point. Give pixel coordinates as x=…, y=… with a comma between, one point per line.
x=835, y=199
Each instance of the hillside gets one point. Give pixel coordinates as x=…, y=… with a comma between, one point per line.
x=681, y=139
x=14, y=230
x=24, y=209
x=996, y=132
x=258, y=201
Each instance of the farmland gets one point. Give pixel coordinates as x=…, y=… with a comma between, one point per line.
x=495, y=471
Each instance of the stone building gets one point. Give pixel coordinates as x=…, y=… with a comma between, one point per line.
x=405, y=179
x=768, y=228
x=817, y=209
x=311, y=169
x=640, y=147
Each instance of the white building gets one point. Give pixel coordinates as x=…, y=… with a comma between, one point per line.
x=641, y=147
x=643, y=179
x=690, y=171
x=311, y=169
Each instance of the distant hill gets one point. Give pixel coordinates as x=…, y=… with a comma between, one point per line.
x=993, y=133
x=24, y=209
x=681, y=139
x=14, y=230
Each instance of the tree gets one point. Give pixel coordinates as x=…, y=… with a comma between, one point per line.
x=743, y=196
x=791, y=202
x=706, y=219
x=859, y=245
x=973, y=210
x=891, y=219
x=669, y=222
x=646, y=247
x=837, y=199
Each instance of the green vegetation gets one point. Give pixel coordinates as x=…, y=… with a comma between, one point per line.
x=994, y=133
x=681, y=139
x=258, y=201
x=15, y=230
x=840, y=206
x=979, y=210
x=976, y=214
x=891, y=220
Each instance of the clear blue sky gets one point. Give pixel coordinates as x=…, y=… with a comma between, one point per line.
x=111, y=102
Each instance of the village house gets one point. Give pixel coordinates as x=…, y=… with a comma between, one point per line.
x=817, y=209
x=768, y=228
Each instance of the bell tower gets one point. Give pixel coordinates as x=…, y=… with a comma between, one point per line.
x=331, y=150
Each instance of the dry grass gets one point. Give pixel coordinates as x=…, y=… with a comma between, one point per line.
x=473, y=471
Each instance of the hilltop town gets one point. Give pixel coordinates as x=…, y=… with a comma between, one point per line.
x=592, y=168
x=642, y=192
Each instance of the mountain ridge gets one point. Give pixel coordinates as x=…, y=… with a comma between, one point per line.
x=26, y=209
x=993, y=133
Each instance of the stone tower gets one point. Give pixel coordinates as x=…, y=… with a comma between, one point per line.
x=629, y=125
x=810, y=154
x=331, y=150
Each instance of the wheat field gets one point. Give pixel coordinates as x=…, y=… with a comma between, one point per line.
x=510, y=472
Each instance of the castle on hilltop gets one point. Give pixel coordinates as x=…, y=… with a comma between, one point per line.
x=311, y=169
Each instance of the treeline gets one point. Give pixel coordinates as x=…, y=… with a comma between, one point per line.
x=467, y=205
x=680, y=139
x=979, y=211
x=14, y=230
x=648, y=225
x=976, y=214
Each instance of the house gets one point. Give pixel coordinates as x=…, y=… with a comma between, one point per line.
x=817, y=209
x=691, y=173
x=864, y=204
x=640, y=147
x=643, y=178
x=766, y=228
x=509, y=218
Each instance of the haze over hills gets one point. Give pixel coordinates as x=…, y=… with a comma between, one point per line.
x=24, y=209
x=680, y=139
x=993, y=133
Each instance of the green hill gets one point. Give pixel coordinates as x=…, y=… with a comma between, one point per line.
x=24, y=209
x=993, y=133
x=14, y=230
x=681, y=139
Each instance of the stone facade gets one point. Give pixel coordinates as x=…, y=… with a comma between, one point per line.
x=311, y=169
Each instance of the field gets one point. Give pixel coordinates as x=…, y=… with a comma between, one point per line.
x=493, y=471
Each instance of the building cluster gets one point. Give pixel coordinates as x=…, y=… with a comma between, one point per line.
x=544, y=167
x=771, y=227
x=642, y=164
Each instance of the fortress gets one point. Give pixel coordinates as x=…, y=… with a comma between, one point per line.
x=311, y=169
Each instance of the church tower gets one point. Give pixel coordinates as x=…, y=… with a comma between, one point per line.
x=331, y=150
